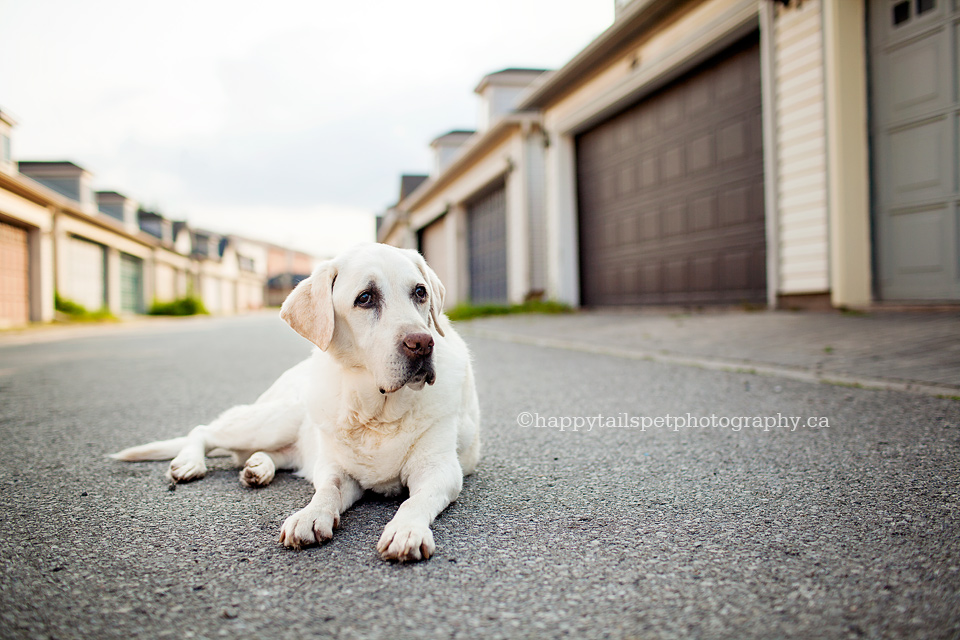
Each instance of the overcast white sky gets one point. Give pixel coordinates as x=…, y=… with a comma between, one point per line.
x=289, y=121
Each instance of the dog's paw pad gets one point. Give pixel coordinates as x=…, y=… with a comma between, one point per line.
x=258, y=471
x=406, y=542
x=308, y=526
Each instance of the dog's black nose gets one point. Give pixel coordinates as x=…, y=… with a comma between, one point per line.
x=417, y=345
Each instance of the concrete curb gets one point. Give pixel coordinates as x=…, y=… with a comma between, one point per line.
x=723, y=364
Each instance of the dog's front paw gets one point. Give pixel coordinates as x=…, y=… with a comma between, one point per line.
x=186, y=469
x=406, y=542
x=308, y=526
x=258, y=471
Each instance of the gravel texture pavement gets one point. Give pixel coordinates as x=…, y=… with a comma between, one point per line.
x=612, y=531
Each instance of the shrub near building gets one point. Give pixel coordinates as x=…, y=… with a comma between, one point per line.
x=187, y=306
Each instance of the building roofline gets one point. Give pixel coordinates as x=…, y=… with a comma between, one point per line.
x=635, y=20
x=53, y=164
x=471, y=151
x=26, y=187
x=456, y=133
x=513, y=71
x=113, y=194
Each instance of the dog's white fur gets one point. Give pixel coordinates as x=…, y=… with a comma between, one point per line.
x=356, y=415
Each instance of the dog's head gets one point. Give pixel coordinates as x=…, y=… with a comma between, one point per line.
x=375, y=309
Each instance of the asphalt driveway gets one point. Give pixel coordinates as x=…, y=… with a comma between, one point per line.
x=612, y=531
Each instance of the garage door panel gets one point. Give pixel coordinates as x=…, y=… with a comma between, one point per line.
x=698, y=99
x=703, y=213
x=679, y=211
x=920, y=238
x=704, y=273
x=919, y=162
x=918, y=77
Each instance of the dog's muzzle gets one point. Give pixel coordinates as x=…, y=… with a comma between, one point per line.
x=417, y=352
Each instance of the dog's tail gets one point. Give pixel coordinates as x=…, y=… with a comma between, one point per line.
x=160, y=450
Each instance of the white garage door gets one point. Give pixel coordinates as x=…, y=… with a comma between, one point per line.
x=85, y=274
x=914, y=64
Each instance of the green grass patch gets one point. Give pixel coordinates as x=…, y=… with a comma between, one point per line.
x=188, y=306
x=76, y=312
x=470, y=311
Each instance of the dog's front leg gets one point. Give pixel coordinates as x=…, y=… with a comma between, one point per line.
x=433, y=486
x=314, y=524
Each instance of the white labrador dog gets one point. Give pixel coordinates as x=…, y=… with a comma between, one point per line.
x=387, y=401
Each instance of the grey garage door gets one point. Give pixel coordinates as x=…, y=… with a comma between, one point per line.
x=916, y=106
x=131, y=284
x=487, y=246
x=671, y=192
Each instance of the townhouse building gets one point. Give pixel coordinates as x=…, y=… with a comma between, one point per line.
x=787, y=153
x=102, y=250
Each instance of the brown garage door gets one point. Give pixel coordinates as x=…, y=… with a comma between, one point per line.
x=14, y=278
x=671, y=192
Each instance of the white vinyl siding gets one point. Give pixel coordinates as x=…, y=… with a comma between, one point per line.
x=801, y=150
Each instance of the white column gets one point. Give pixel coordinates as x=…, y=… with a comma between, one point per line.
x=42, y=275
x=771, y=204
x=844, y=46
x=563, y=274
x=113, y=280
x=518, y=241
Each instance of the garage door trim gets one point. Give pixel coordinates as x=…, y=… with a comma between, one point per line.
x=670, y=192
x=686, y=54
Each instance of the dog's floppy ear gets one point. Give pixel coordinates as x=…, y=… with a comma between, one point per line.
x=309, y=307
x=437, y=290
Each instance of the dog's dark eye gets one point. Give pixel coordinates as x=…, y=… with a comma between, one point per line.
x=365, y=299
x=420, y=292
